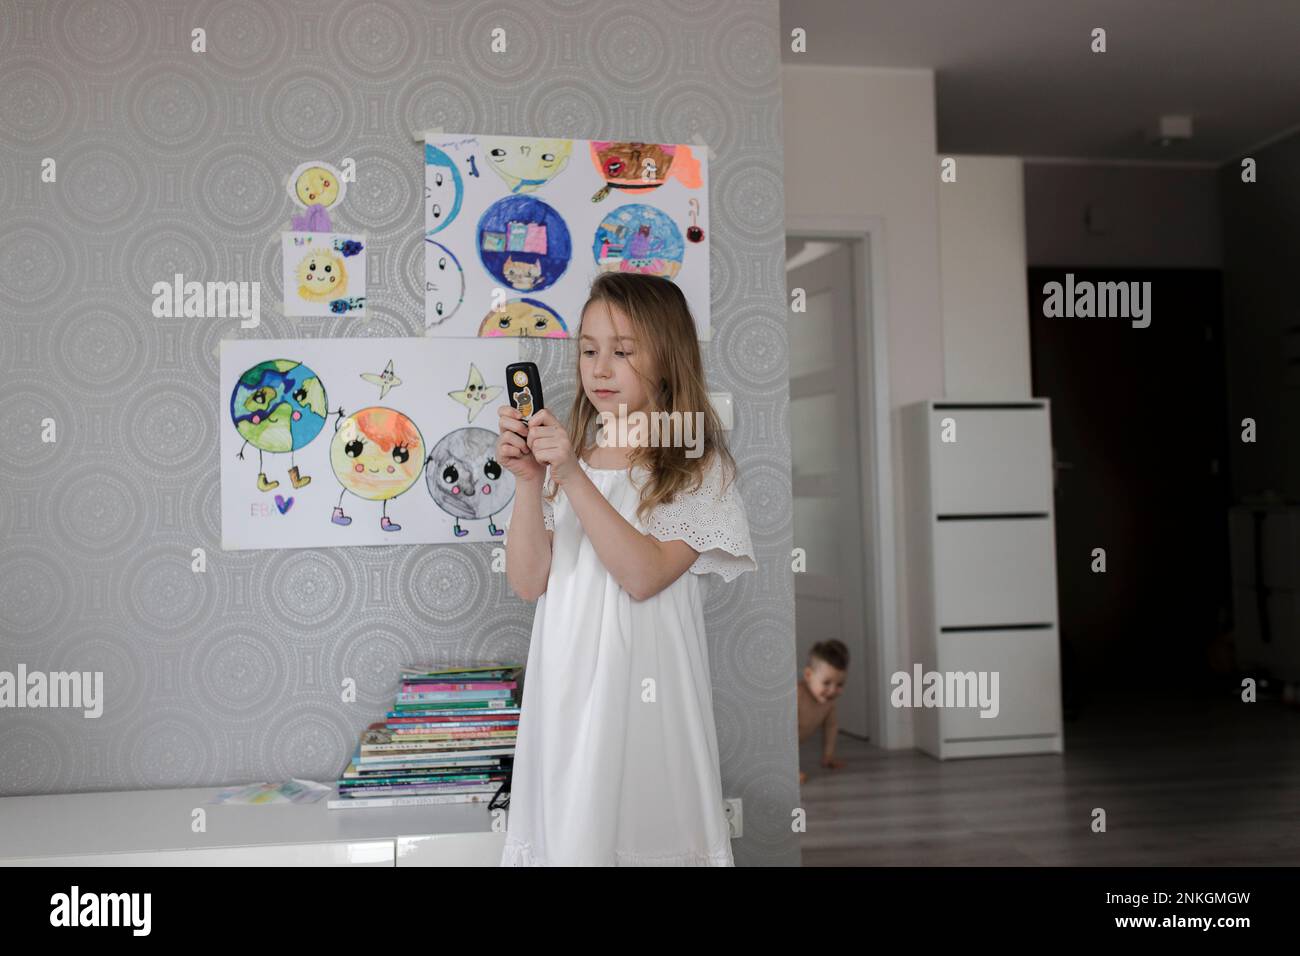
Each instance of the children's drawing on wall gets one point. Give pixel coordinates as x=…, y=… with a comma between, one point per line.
x=523, y=243
x=444, y=283
x=316, y=187
x=324, y=270
x=412, y=417
x=476, y=393
x=466, y=481
x=324, y=273
x=506, y=251
x=377, y=454
x=640, y=167
x=278, y=406
x=639, y=238
x=526, y=163
x=523, y=317
x=693, y=232
x=444, y=189
x=385, y=380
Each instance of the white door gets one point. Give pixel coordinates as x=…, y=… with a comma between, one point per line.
x=826, y=436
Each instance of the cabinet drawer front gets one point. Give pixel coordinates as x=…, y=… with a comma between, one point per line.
x=451, y=849
x=1000, y=462
x=995, y=572
x=1028, y=686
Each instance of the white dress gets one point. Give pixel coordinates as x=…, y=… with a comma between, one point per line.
x=610, y=771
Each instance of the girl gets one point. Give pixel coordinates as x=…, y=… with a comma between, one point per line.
x=617, y=757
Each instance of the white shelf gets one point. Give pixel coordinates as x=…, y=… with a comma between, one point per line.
x=981, y=532
x=155, y=828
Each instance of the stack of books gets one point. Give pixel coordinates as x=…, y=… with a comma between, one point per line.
x=449, y=738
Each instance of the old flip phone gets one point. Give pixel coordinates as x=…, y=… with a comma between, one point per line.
x=524, y=386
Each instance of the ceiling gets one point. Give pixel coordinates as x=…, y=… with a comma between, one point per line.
x=1017, y=77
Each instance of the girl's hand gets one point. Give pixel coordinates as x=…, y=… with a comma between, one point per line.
x=512, y=446
x=550, y=445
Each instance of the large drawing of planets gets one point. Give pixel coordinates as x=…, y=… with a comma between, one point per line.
x=523, y=243
x=638, y=238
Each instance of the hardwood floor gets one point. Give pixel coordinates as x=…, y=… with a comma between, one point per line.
x=1184, y=781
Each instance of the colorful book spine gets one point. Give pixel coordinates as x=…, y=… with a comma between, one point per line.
x=412, y=800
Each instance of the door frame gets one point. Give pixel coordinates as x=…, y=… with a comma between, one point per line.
x=866, y=234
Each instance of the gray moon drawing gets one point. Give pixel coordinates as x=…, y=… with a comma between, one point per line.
x=463, y=476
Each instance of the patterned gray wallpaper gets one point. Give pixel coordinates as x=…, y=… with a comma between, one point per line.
x=172, y=161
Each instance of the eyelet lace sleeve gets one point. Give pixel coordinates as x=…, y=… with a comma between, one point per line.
x=712, y=522
x=548, y=509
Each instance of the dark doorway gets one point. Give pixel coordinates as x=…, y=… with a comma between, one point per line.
x=1139, y=426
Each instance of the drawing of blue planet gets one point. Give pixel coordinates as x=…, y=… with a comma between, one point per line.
x=443, y=190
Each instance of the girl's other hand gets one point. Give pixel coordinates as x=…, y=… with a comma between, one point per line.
x=550, y=445
x=512, y=446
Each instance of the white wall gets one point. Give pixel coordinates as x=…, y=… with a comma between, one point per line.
x=861, y=141
x=985, y=299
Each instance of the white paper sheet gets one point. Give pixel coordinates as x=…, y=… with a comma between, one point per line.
x=371, y=464
x=516, y=228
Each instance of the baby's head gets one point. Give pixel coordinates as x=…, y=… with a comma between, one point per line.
x=827, y=669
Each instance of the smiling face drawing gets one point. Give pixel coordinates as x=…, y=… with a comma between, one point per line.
x=526, y=317
x=321, y=276
x=278, y=405
x=521, y=274
x=377, y=453
x=526, y=164
x=444, y=283
x=638, y=163
x=464, y=478
x=317, y=186
x=476, y=393
x=443, y=190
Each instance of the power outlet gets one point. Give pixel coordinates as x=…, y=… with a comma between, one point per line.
x=735, y=816
x=724, y=407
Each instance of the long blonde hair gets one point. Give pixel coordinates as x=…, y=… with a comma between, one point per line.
x=665, y=331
